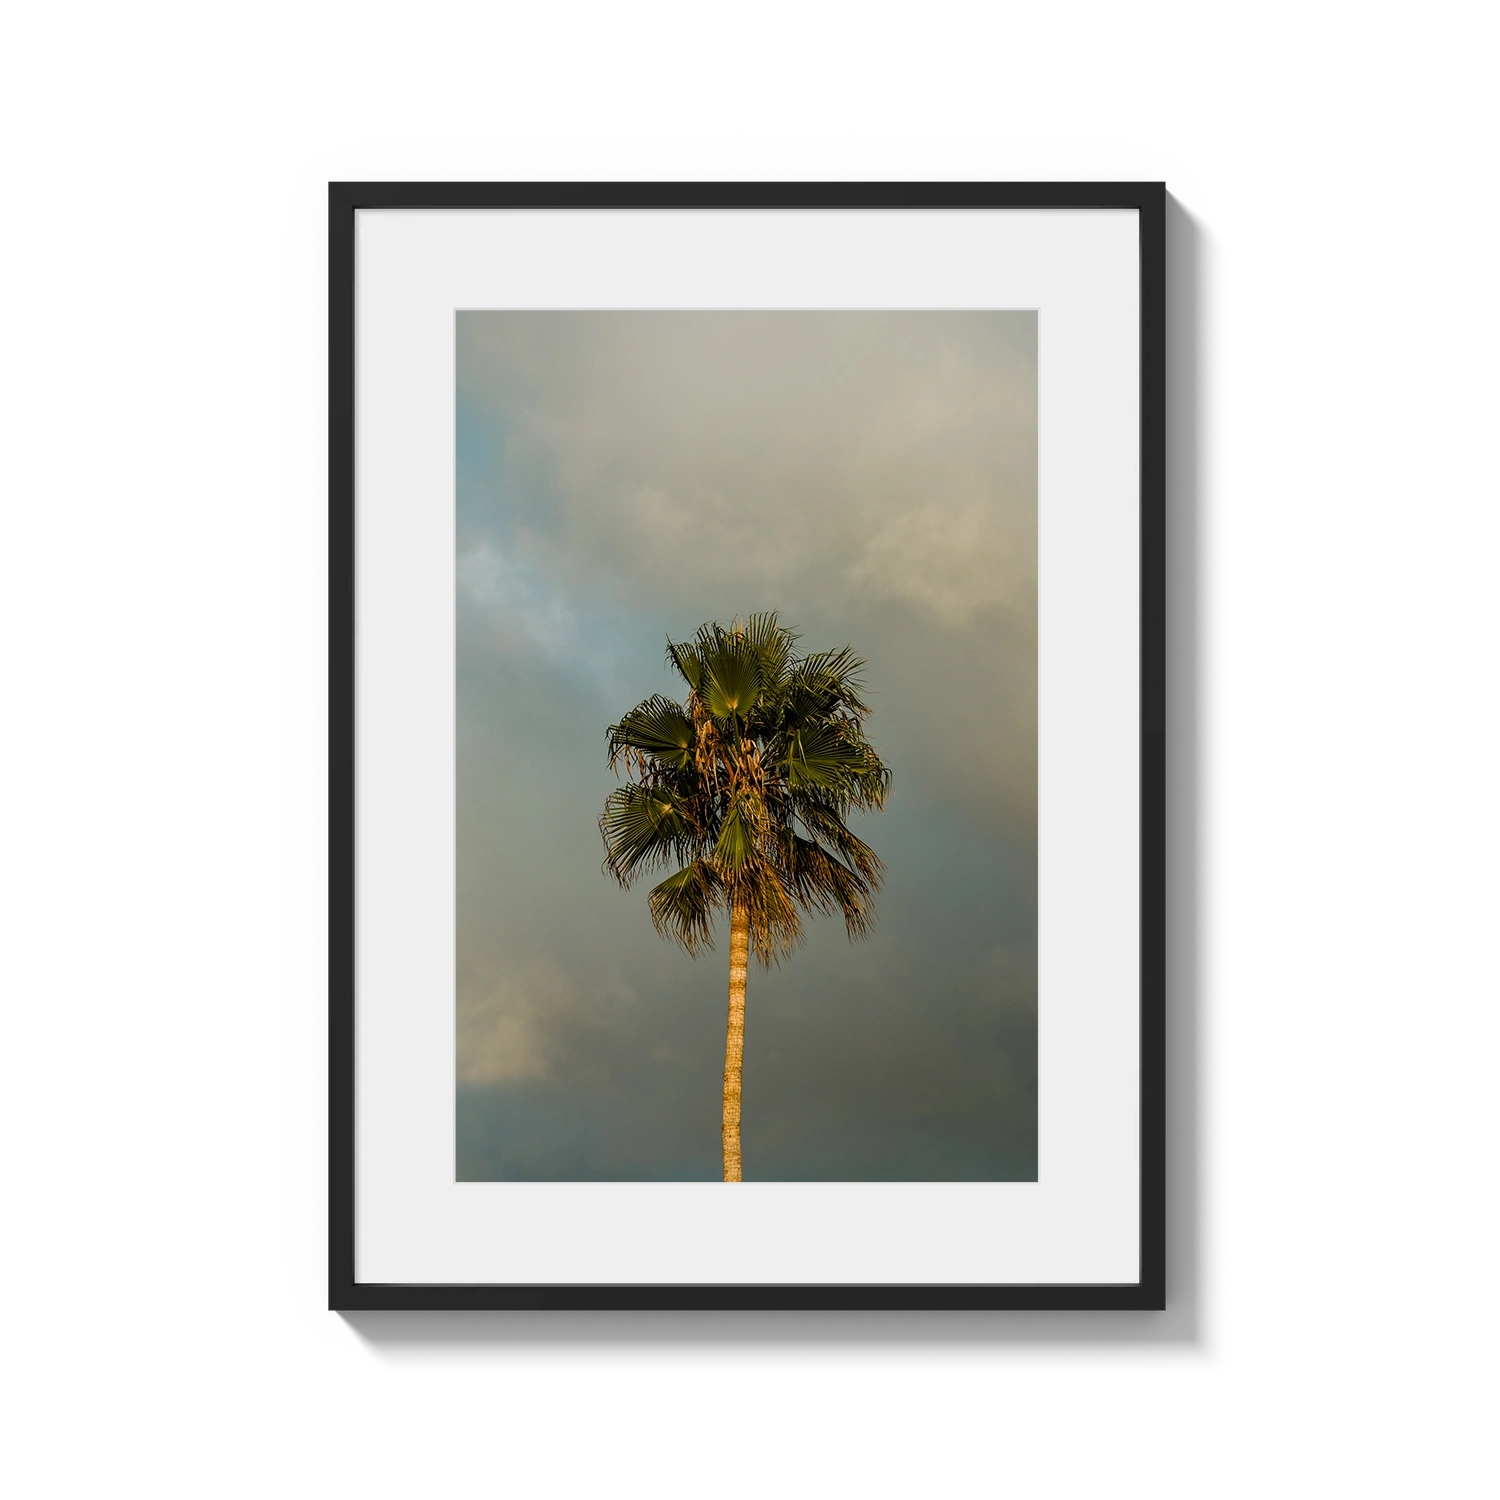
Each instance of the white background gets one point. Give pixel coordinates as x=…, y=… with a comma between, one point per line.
x=1336, y=1022
x=1078, y=1222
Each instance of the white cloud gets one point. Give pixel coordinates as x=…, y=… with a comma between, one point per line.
x=520, y=593
x=521, y=1020
x=946, y=559
x=504, y=1024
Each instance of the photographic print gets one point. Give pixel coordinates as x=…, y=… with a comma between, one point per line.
x=746, y=746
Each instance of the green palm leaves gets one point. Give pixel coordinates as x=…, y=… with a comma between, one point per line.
x=723, y=669
x=656, y=729
x=641, y=825
x=683, y=905
x=746, y=788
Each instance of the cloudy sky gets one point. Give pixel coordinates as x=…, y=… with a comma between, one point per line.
x=623, y=477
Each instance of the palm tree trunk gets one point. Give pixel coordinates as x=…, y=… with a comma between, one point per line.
x=734, y=1039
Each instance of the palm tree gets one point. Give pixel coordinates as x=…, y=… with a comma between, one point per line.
x=746, y=788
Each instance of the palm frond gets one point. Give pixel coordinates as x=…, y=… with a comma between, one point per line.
x=819, y=755
x=658, y=728
x=683, y=906
x=869, y=784
x=736, y=841
x=829, y=680
x=852, y=894
x=730, y=682
x=642, y=827
x=772, y=642
x=688, y=661
x=828, y=829
x=873, y=786
x=824, y=883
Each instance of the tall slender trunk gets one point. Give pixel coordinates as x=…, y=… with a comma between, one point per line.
x=734, y=1039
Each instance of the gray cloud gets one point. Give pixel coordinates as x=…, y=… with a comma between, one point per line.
x=622, y=476
x=869, y=458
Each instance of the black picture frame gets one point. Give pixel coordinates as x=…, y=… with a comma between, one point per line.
x=1185, y=486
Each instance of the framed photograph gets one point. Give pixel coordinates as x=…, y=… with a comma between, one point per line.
x=747, y=663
